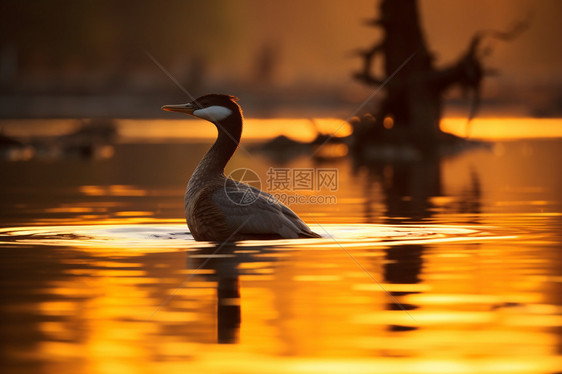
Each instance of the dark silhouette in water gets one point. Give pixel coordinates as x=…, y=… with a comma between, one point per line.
x=93, y=139
x=409, y=189
x=225, y=260
x=226, y=274
x=220, y=209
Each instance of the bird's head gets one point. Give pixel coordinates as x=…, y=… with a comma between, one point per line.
x=214, y=108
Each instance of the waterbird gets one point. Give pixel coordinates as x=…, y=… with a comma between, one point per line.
x=221, y=209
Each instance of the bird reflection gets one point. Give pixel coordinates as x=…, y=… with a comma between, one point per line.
x=224, y=260
x=228, y=306
x=224, y=263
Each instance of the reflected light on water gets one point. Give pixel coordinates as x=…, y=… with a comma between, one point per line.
x=113, y=190
x=504, y=128
x=303, y=129
x=254, y=128
x=117, y=343
x=102, y=315
x=126, y=233
x=459, y=268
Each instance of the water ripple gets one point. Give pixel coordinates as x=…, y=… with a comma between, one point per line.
x=167, y=236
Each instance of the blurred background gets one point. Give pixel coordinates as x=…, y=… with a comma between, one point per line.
x=99, y=274
x=67, y=59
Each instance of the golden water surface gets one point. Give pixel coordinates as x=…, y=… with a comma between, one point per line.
x=450, y=265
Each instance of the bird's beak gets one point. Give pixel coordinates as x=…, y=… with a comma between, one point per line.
x=181, y=108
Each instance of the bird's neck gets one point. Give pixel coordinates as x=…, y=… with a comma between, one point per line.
x=215, y=160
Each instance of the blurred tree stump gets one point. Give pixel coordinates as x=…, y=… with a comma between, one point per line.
x=411, y=110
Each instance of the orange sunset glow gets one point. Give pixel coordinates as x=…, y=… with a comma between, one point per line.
x=301, y=187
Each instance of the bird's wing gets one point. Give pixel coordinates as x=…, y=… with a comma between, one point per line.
x=252, y=211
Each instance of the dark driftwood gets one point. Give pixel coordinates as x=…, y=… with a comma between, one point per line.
x=413, y=97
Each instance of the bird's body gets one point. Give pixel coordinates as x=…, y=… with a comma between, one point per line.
x=220, y=209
